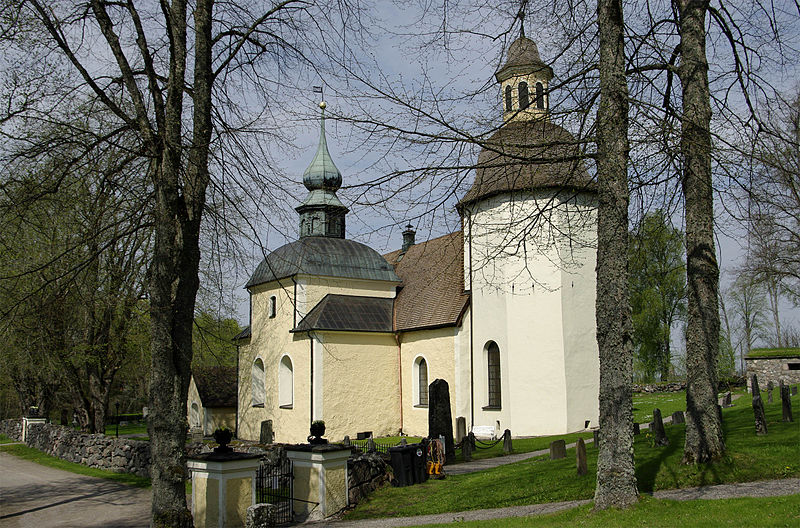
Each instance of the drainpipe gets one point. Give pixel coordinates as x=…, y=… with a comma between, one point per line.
x=471, y=331
x=311, y=385
x=236, y=418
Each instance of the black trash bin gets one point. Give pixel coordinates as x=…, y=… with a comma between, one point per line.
x=408, y=464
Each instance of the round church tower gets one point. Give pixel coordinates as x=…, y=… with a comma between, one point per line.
x=529, y=224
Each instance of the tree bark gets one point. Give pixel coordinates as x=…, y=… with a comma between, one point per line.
x=704, y=438
x=616, y=478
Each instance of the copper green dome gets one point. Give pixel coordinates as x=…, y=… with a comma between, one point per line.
x=322, y=173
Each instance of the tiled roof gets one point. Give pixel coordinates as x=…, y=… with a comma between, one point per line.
x=529, y=155
x=349, y=313
x=323, y=256
x=433, y=283
x=216, y=385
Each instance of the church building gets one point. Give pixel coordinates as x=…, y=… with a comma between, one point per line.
x=503, y=309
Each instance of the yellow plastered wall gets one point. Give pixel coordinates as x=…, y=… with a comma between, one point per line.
x=438, y=347
x=194, y=398
x=238, y=497
x=360, y=384
x=205, y=492
x=271, y=339
x=335, y=489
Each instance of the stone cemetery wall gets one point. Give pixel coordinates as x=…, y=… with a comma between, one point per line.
x=772, y=369
x=12, y=429
x=365, y=473
x=676, y=386
x=122, y=455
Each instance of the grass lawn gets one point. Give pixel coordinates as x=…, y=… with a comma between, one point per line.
x=770, y=511
x=538, y=480
x=6, y=440
x=28, y=453
x=130, y=428
x=523, y=445
x=773, y=352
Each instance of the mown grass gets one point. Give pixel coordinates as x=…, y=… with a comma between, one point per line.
x=773, y=352
x=654, y=513
x=538, y=480
x=33, y=455
x=130, y=428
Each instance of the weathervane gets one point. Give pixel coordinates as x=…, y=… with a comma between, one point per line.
x=322, y=103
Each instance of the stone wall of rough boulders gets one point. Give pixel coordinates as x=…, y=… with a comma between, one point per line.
x=12, y=429
x=122, y=455
x=365, y=473
x=676, y=386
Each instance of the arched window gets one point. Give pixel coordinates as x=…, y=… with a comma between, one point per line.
x=524, y=99
x=493, y=364
x=286, y=383
x=257, y=383
x=272, y=306
x=421, y=381
x=195, y=415
x=508, y=98
x=539, y=96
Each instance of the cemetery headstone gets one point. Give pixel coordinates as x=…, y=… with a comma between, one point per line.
x=770, y=386
x=466, y=448
x=267, y=435
x=507, y=448
x=346, y=441
x=461, y=429
x=440, y=419
x=596, y=438
x=403, y=442
x=758, y=408
x=580, y=457
x=786, y=403
x=197, y=435
x=370, y=445
x=636, y=429
x=794, y=390
x=660, y=436
x=558, y=449
x=726, y=399
x=678, y=417
x=471, y=438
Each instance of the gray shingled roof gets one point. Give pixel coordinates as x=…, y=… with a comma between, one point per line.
x=349, y=313
x=433, y=283
x=323, y=256
x=529, y=155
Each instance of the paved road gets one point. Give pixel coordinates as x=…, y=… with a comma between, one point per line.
x=41, y=497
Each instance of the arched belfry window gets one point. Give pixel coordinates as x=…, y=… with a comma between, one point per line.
x=493, y=371
x=286, y=383
x=539, y=95
x=257, y=383
x=508, y=98
x=421, y=379
x=524, y=99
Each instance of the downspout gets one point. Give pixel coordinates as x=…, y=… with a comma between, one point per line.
x=311, y=385
x=294, y=304
x=471, y=331
x=236, y=418
x=399, y=360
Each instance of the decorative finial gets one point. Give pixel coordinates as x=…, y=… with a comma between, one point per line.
x=521, y=15
x=323, y=105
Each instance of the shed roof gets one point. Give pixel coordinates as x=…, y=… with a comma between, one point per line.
x=349, y=313
x=216, y=385
x=433, y=283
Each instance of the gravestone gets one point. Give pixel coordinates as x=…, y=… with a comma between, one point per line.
x=758, y=407
x=636, y=429
x=580, y=457
x=678, y=417
x=440, y=419
x=370, y=445
x=660, y=436
x=346, y=441
x=267, y=435
x=794, y=390
x=596, y=438
x=507, y=448
x=558, y=449
x=471, y=438
x=260, y=516
x=363, y=435
x=461, y=429
x=466, y=448
x=197, y=435
x=403, y=442
x=786, y=403
x=770, y=386
x=726, y=399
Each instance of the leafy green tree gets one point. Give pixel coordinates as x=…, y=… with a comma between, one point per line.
x=212, y=340
x=658, y=291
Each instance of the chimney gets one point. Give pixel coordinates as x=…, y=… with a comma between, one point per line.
x=408, y=237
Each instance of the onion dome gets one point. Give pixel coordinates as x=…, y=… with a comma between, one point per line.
x=322, y=173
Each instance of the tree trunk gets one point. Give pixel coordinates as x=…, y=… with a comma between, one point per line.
x=616, y=478
x=704, y=438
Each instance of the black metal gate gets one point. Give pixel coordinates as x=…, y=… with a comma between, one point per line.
x=275, y=485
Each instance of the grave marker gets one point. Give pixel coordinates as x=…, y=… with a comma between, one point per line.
x=507, y=448
x=461, y=429
x=440, y=419
x=580, y=457
x=678, y=417
x=758, y=408
x=267, y=435
x=786, y=403
x=658, y=429
x=558, y=449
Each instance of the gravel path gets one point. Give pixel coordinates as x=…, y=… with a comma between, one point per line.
x=763, y=488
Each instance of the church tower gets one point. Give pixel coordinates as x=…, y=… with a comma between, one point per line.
x=321, y=213
x=529, y=223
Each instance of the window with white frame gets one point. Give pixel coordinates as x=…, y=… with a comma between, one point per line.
x=286, y=383
x=421, y=382
x=493, y=372
x=257, y=383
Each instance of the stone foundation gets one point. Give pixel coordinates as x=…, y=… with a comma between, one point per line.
x=365, y=473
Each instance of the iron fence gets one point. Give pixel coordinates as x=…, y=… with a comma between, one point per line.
x=275, y=485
